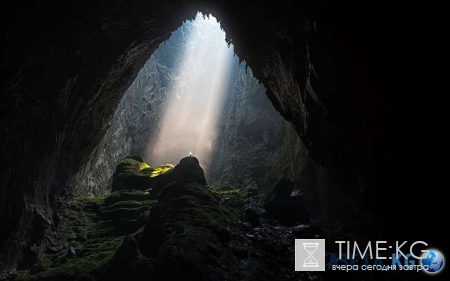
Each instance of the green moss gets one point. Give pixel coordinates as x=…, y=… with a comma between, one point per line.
x=193, y=204
x=127, y=204
x=156, y=171
x=195, y=252
x=86, y=203
x=125, y=195
x=190, y=217
x=21, y=275
x=95, y=227
x=90, y=255
x=133, y=172
x=186, y=214
x=123, y=212
x=143, y=166
x=228, y=192
x=94, y=254
x=131, y=162
x=129, y=166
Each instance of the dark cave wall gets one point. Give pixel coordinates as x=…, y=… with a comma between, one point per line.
x=66, y=66
x=247, y=142
x=256, y=146
x=134, y=123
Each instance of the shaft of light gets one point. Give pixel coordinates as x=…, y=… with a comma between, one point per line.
x=195, y=98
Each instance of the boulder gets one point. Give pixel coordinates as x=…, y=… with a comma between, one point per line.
x=285, y=205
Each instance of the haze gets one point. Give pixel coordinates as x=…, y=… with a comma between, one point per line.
x=195, y=98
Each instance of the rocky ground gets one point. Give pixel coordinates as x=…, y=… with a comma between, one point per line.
x=166, y=223
x=185, y=230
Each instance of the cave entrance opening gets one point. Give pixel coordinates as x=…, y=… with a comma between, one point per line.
x=194, y=96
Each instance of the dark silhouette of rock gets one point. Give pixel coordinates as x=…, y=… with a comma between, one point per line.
x=128, y=251
x=252, y=216
x=189, y=170
x=239, y=251
x=284, y=207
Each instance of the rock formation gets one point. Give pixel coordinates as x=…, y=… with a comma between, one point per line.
x=187, y=231
x=359, y=82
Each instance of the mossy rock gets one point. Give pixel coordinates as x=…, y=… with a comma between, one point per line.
x=190, y=232
x=118, y=212
x=124, y=212
x=229, y=191
x=126, y=195
x=185, y=222
x=94, y=254
x=130, y=165
x=189, y=170
x=95, y=228
x=133, y=173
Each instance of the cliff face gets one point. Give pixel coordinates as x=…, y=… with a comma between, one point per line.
x=134, y=122
x=256, y=144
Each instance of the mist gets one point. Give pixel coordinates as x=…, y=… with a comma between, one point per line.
x=195, y=97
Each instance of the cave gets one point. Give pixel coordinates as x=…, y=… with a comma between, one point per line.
x=352, y=87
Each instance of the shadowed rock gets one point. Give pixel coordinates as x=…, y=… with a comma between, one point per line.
x=284, y=207
x=191, y=232
x=189, y=170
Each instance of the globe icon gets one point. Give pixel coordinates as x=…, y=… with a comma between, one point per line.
x=432, y=261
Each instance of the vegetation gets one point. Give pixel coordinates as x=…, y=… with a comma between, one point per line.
x=227, y=192
x=189, y=232
x=95, y=228
x=156, y=171
x=133, y=173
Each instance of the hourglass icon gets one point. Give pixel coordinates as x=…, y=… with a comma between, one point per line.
x=310, y=260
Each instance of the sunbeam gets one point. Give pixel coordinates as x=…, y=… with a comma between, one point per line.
x=195, y=98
